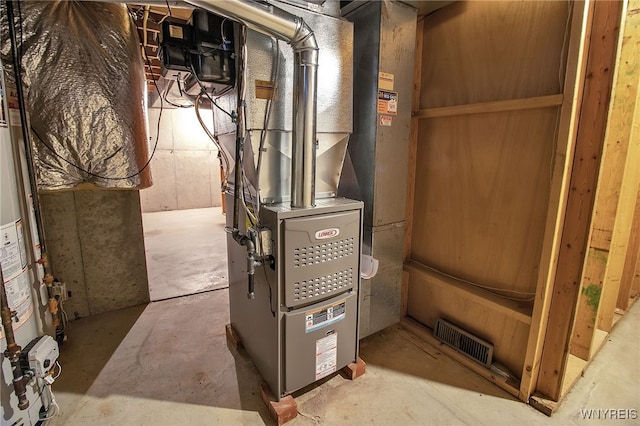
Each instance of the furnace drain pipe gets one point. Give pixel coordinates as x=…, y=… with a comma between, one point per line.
x=285, y=26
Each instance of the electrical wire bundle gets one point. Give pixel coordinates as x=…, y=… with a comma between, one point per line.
x=53, y=409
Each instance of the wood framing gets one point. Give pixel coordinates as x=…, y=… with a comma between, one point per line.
x=606, y=207
x=635, y=281
x=588, y=149
x=520, y=311
x=508, y=112
x=508, y=141
x=411, y=167
x=627, y=293
x=622, y=228
x=413, y=139
x=496, y=106
x=581, y=20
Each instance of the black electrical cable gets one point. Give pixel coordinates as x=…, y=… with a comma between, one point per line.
x=202, y=88
x=224, y=92
x=179, y=86
x=246, y=183
x=173, y=104
x=17, y=55
x=155, y=146
x=170, y=102
x=20, y=48
x=169, y=8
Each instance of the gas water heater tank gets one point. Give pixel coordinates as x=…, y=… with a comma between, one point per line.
x=16, y=270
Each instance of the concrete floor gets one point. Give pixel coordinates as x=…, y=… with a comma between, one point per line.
x=167, y=363
x=169, y=235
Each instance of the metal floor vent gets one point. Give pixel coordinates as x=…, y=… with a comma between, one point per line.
x=470, y=345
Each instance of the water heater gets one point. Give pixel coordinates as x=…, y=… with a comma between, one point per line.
x=21, y=277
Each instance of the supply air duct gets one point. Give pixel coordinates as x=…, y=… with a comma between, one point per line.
x=84, y=89
x=282, y=25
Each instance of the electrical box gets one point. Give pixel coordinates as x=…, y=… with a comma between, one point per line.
x=175, y=47
x=40, y=355
x=211, y=31
x=203, y=48
x=213, y=37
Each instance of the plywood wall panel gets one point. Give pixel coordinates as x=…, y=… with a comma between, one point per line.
x=480, y=51
x=508, y=335
x=482, y=185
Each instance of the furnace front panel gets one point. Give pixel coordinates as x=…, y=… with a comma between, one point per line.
x=303, y=323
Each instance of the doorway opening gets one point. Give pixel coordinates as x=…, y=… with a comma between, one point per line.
x=182, y=214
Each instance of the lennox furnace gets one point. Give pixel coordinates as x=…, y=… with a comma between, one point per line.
x=293, y=245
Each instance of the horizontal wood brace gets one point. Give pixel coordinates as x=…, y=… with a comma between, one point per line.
x=494, y=106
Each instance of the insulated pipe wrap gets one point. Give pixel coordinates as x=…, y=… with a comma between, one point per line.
x=85, y=92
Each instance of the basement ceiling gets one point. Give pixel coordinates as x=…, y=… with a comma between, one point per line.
x=157, y=14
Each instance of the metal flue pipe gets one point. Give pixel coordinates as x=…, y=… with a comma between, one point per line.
x=285, y=26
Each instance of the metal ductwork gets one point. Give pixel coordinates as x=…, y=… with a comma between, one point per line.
x=85, y=93
x=285, y=26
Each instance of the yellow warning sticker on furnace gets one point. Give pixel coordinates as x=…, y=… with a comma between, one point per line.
x=325, y=316
x=387, y=102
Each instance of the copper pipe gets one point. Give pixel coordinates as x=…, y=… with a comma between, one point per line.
x=13, y=349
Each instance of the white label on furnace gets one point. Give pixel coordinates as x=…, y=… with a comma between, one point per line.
x=326, y=355
x=324, y=317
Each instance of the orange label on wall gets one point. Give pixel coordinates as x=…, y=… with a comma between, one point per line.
x=387, y=102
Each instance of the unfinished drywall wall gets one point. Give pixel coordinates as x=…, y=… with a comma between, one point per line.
x=96, y=246
x=185, y=166
x=491, y=87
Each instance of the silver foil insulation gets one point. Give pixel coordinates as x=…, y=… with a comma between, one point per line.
x=84, y=81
